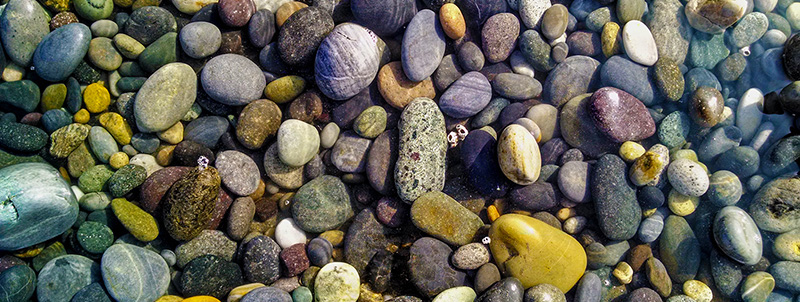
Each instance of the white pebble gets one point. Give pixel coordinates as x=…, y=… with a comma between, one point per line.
x=287, y=233
x=639, y=43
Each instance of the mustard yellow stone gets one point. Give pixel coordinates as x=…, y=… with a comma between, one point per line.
x=648, y=168
x=566, y=213
x=630, y=151
x=287, y=10
x=118, y=160
x=452, y=21
x=64, y=174
x=173, y=135
x=201, y=299
x=682, y=205
x=623, y=272
x=169, y=298
x=492, y=213
x=698, y=291
x=96, y=97
x=116, y=125
x=81, y=117
x=335, y=237
x=53, y=97
x=648, y=212
x=611, y=40
x=535, y=252
x=238, y=292
x=30, y=252
x=164, y=155
x=285, y=89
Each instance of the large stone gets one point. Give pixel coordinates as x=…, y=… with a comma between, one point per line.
x=321, y=204
x=621, y=116
x=737, y=235
x=23, y=24
x=190, y=202
x=61, y=51
x=430, y=268
x=346, y=62
x=64, y=276
x=679, y=249
x=618, y=212
x=233, y=80
x=776, y=207
x=337, y=282
x=575, y=76
x=165, y=97
x=37, y=205
x=535, y=252
x=132, y=273
x=420, y=165
x=423, y=46
x=443, y=217
x=385, y=18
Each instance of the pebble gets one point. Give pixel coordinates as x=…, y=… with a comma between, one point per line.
x=452, y=20
x=420, y=166
x=574, y=181
x=209, y=275
x=238, y=172
x=499, y=34
x=59, y=53
x=398, y=90
x=189, y=203
x=470, y=57
x=615, y=199
x=431, y=257
x=757, y=287
x=466, y=96
x=24, y=27
x=200, y=39
x=531, y=12
x=64, y=276
x=288, y=233
x=518, y=155
x=516, y=86
x=639, y=43
x=724, y=188
x=165, y=97
x=442, y=217
x=456, y=294
x=139, y=223
x=422, y=48
x=679, y=249
x=337, y=281
x=737, y=235
x=261, y=260
x=224, y=85
x=132, y=273
x=620, y=115
x=573, y=77
x=763, y=208
x=688, y=177
x=346, y=61
x=298, y=142
x=325, y=194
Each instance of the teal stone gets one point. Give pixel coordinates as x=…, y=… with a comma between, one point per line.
x=420, y=166
x=64, y=276
x=23, y=94
x=130, y=84
x=674, y=129
x=597, y=18
x=781, y=157
x=36, y=204
x=94, y=237
x=680, y=249
x=126, y=179
x=74, y=98
x=93, y=10
x=778, y=22
x=131, y=69
x=102, y=143
x=785, y=273
x=724, y=188
x=132, y=273
x=61, y=51
x=17, y=284
x=706, y=50
x=749, y=29
x=22, y=137
x=737, y=235
x=302, y=294
x=94, y=179
x=322, y=204
x=54, y=119
x=23, y=24
x=91, y=293
x=161, y=52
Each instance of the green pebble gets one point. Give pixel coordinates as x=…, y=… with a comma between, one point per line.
x=17, y=283
x=628, y=10
x=749, y=29
x=732, y=67
x=94, y=237
x=131, y=69
x=23, y=94
x=599, y=17
x=94, y=9
x=787, y=246
x=94, y=179
x=103, y=54
x=668, y=78
x=8, y=159
x=51, y=252
x=371, y=122
x=757, y=287
x=302, y=294
x=159, y=53
x=126, y=179
x=674, y=129
x=139, y=223
x=80, y=160
x=53, y=96
x=706, y=50
x=22, y=137
x=94, y=201
x=86, y=74
x=65, y=139
x=778, y=22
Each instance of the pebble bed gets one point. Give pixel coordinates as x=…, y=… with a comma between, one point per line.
x=399, y=150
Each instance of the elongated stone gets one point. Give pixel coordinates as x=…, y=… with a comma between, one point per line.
x=420, y=165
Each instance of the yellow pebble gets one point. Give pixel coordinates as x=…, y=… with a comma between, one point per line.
x=118, y=160
x=96, y=97
x=452, y=21
x=81, y=117
x=630, y=151
x=116, y=125
x=335, y=237
x=649, y=212
x=566, y=213
x=682, y=205
x=698, y=291
x=169, y=298
x=683, y=153
x=366, y=294
x=285, y=89
x=287, y=10
x=623, y=272
x=30, y=252
x=610, y=39
x=238, y=292
x=173, y=135
x=201, y=299
x=492, y=212
x=13, y=72
x=164, y=155
x=64, y=173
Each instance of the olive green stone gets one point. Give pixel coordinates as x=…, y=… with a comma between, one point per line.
x=443, y=217
x=628, y=10
x=21, y=137
x=94, y=237
x=126, y=179
x=189, y=204
x=94, y=10
x=67, y=138
x=138, y=222
x=757, y=287
x=23, y=94
x=658, y=276
x=57, y=5
x=668, y=78
x=53, y=97
x=680, y=250
x=597, y=18
x=94, y=179
x=8, y=159
x=161, y=52
x=51, y=252
x=103, y=54
x=80, y=160
x=130, y=84
x=128, y=47
x=787, y=246
x=611, y=39
x=371, y=122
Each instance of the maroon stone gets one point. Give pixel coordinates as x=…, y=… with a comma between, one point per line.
x=391, y=212
x=621, y=116
x=157, y=184
x=224, y=201
x=236, y=13
x=295, y=259
x=499, y=35
x=31, y=118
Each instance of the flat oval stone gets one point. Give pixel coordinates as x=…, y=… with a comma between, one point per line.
x=302, y=33
x=535, y=252
x=200, y=39
x=679, y=249
x=574, y=180
x=781, y=157
x=575, y=76
x=466, y=96
x=39, y=205
x=621, y=116
x=165, y=97
x=614, y=196
x=60, y=52
x=349, y=154
x=639, y=43
x=64, y=276
x=430, y=268
x=19, y=281
x=233, y=80
x=714, y=17
x=346, y=61
x=258, y=121
x=385, y=18
x=442, y=217
x=321, y=204
x=261, y=260
x=688, y=177
x=737, y=235
x=337, y=282
x=518, y=155
x=775, y=207
x=23, y=25
x=784, y=273
x=420, y=166
x=298, y=142
x=132, y=273
x=422, y=48
x=238, y=172
x=22, y=137
x=499, y=35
